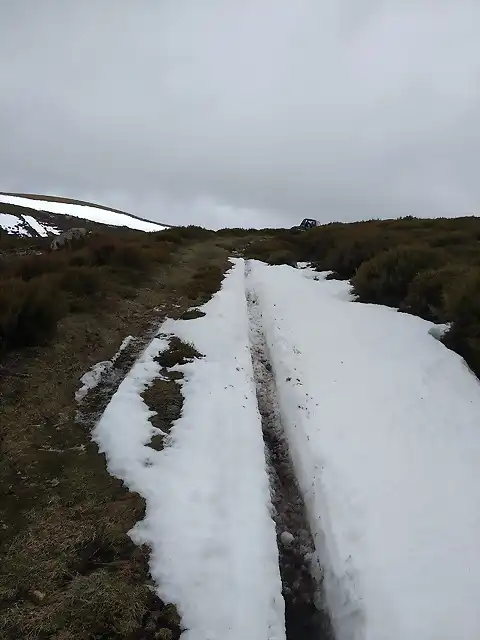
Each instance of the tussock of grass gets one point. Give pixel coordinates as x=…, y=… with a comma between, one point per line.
x=192, y=314
x=164, y=396
x=178, y=353
x=165, y=399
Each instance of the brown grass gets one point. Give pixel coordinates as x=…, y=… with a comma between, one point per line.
x=164, y=395
x=69, y=568
x=36, y=291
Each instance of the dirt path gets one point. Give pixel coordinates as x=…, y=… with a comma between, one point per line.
x=304, y=617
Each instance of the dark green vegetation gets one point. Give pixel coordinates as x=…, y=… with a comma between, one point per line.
x=430, y=268
x=38, y=289
x=164, y=396
x=69, y=570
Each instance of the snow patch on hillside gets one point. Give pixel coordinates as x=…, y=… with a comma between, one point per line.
x=13, y=224
x=86, y=212
x=43, y=230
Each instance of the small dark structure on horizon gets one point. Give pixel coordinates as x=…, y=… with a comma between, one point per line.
x=307, y=223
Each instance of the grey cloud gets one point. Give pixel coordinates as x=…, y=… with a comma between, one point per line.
x=244, y=112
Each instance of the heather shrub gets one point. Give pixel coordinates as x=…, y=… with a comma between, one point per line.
x=29, y=311
x=282, y=256
x=32, y=266
x=81, y=281
x=182, y=235
x=385, y=278
x=426, y=293
x=462, y=304
x=352, y=250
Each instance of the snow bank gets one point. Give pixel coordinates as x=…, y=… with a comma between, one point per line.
x=383, y=423
x=86, y=212
x=207, y=494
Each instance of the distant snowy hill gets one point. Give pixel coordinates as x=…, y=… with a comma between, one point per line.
x=33, y=216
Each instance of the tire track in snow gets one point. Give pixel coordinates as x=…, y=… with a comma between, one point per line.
x=305, y=619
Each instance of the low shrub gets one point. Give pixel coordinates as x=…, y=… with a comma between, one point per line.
x=385, y=279
x=182, y=235
x=282, y=256
x=462, y=304
x=163, y=253
x=119, y=254
x=102, y=253
x=348, y=254
x=315, y=244
x=462, y=297
x=236, y=231
x=132, y=257
x=426, y=293
x=81, y=259
x=272, y=250
x=81, y=281
x=451, y=239
x=32, y=266
x=29, y=311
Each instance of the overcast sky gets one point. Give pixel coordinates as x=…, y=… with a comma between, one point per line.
x=244, y=112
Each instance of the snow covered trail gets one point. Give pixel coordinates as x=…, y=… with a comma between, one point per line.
x=208, y=508
x=383, y=427
x=372, y=445
x=306, y=617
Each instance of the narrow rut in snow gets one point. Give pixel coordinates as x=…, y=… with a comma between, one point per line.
x=305, y=618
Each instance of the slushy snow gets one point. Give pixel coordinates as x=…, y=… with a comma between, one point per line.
x=95, y=214
x=383, y=428
x=208, y=510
